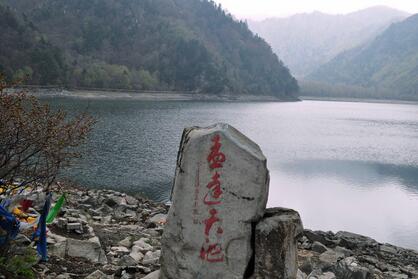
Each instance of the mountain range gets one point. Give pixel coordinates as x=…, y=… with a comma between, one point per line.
x=180, y=45
x=306, y=41
x=387, y=65
x=190, y=45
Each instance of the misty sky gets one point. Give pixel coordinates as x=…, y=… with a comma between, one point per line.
x=265, y=8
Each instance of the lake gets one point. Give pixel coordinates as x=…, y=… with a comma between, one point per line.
x=342, y=165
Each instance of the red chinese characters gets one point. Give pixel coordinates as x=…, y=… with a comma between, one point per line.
x=210, y=221
x=216, y=158
x=213, y=196
x=212, y=252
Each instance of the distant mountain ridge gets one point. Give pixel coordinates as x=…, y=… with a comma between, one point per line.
x=183, y=45
x=306, y=41
x=389, y=63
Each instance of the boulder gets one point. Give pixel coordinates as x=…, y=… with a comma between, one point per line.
x=329, y=259
x=131, y=200
x=127, y=261
x=113, y=201
x=352, y=241
x=220, y=189
x=327, y=275
x=62, y=276
x=59, y=248
x=153, y=275
x=74, y=227
x=97, y=275
x=62, y=222
x=318, y=247
x=351, y=268
x=126, y=242
x=151, y=257
x=276, y=244
x=136, y=254
x=142, y=245
x=344, y=251
x=319, y=236
x=387, y=248
x=158, y=219
x=88, y=249
x=120, y=250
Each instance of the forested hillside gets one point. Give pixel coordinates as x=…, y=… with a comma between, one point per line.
x=306, y=41
x=387, y=64
x=188, y=45
x=24, y=51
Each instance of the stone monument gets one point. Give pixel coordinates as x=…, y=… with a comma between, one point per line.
x=219, y=194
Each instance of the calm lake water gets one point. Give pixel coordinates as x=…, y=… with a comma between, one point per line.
x=343, y=166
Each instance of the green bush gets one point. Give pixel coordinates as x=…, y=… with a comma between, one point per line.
x=19, y=266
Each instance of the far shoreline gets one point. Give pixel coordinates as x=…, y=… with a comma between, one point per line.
x=154, y=96
x=358, y=100
x=187, y=96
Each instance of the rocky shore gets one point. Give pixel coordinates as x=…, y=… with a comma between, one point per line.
x=108, y=234
x=325, y=255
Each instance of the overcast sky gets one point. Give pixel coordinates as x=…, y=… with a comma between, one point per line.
x=266, y=8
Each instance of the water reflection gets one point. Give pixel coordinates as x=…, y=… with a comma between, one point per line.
x=365, y=197
x=357, y=173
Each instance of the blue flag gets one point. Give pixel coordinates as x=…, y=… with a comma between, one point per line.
x=40, y=233
x=9, y=223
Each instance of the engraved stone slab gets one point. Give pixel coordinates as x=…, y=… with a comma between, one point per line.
x=220, y=191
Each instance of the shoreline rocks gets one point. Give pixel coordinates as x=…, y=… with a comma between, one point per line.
x=349, y=255
x=104, y=232
x=131, y=225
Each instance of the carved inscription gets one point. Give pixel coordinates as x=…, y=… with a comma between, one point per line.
x=211, y=250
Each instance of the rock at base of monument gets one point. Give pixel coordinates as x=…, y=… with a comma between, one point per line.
x=153, y=275
x=276, y=244
x=220, y=190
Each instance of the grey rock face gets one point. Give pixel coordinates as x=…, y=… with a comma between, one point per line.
x=351, y=240
x=276, y=244
x=321, y=237
x=127, y=261
x=329, y=258
x=59, y=249
x=220, y=189
x=387, y=248
x=319, y=247
x=126, y=242
x=87, y=249
x=327, y=275
x=300, y=275
x=136, y=254
x=153, y=275
x=350, y=268
x=142, y=245
x=97, y=275
x=151, y=257
x=61, y=276
x=358, y=257
x=158, y=219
